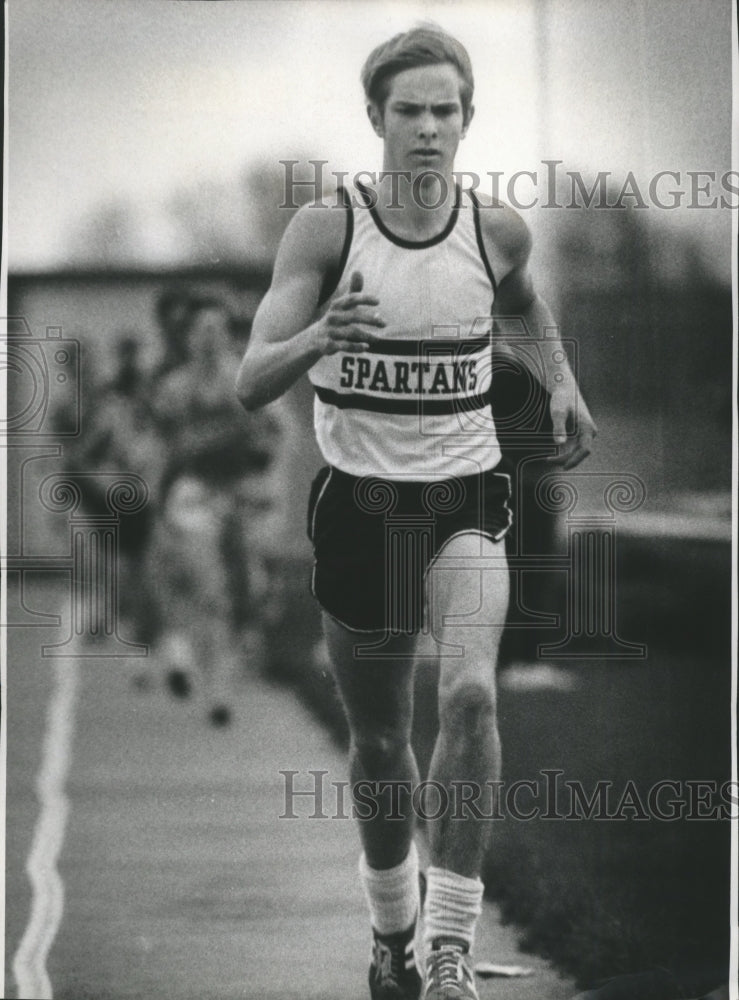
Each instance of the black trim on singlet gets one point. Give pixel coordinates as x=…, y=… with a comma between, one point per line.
x=333, y=275
x=424, y=348
x=480, y=242
x=407, y=407
x=412, y=244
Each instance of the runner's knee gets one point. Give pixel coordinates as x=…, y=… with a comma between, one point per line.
x=467, y=705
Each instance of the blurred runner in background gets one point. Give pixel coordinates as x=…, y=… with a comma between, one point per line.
x=199, y=561
x=172, y=311
x=118, y=435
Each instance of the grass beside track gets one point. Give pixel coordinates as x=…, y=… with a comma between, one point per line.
x=601, y=897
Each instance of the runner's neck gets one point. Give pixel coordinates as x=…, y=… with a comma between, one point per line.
x=413, y=210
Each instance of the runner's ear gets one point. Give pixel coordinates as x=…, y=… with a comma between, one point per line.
x=470, y=113
x=375, y=117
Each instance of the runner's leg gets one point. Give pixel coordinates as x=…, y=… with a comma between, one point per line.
x=378, y=698
x=467, y=606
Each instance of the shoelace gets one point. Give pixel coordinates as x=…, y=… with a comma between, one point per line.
x=445, y=966
x=387, y=962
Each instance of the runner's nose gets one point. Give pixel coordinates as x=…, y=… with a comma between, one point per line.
x=427, y=126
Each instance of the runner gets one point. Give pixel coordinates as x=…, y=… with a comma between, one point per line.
x=385, y=299
x=199, y=559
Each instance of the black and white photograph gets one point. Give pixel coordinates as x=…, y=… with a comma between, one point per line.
x=369, y=460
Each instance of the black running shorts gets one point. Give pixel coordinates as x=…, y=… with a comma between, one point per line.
x=374, y=540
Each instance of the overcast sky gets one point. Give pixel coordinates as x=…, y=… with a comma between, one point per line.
x=138, y=97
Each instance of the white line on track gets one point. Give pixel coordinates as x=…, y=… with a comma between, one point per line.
x=47, y=888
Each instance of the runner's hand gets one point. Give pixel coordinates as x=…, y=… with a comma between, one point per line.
x=351, y=321
x=571, y=413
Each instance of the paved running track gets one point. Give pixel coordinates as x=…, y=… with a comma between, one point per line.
x=160, y=866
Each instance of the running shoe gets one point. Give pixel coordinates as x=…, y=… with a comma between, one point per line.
x=393, y=974
x=448, y=973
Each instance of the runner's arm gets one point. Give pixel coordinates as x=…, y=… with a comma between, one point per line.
x=517, y=298
x=286, y=338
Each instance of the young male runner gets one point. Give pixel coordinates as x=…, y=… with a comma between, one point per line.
x=385, y=299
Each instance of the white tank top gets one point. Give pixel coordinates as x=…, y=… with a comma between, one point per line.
x=416, y=405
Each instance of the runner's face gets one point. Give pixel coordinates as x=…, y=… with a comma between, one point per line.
x=422, y=123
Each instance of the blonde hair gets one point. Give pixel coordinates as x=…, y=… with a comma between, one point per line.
x=425, y=45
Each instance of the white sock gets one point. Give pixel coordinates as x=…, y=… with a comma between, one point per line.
x=392, y=893
x=453, y=904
